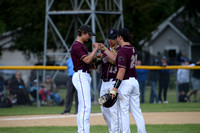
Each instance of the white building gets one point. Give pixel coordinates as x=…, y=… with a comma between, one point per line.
x=171, y=39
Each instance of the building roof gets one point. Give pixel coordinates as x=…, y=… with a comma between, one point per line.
x=176, y=23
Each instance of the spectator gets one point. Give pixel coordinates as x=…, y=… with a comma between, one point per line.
x=183, y=76
x=2, y=89
x=195, y=82
x=141, y=77
x=4, y=101
x=71, y=90
x=153, y=79
x=52, y=89
x=17, y=87
x=33, y=90
x=163, y=81
x=44, y=95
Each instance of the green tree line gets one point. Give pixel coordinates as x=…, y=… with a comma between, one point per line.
x=27, y=19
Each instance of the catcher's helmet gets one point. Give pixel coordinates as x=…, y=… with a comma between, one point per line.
x=107, y=101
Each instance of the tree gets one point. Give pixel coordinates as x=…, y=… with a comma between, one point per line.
x=26, y=19
x=140, y=16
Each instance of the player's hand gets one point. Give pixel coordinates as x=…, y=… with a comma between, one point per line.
x=100, y=55
x=101, y=46
x=113, y=92
x=96, y=45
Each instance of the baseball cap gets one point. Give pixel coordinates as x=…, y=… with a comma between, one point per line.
x=187, y=60
x=87, y=29
x=156, y=60
x=48, y=77
x=112, y=34
x=35, y=81
x=123, y=32
x=164, y=58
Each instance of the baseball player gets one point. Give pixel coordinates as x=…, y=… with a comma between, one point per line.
x=109, y=71
x=81, y=78
x=126, y=83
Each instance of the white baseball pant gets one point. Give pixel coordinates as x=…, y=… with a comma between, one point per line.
x=81, y=81
x=110, y=115
x=129, y=98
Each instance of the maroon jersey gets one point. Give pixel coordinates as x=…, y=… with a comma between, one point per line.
x=78, y=52
x=109, y=70
x=127, y=58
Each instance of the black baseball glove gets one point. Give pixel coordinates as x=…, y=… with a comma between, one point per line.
x=107, y=101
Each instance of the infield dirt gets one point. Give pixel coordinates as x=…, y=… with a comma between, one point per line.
x=97, y=119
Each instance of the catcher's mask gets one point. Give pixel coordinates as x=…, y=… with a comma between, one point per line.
x=107, y=101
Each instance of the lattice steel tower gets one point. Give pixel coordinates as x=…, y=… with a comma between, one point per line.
x=101, y=15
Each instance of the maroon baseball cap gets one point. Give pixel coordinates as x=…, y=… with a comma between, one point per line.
x=87, y=29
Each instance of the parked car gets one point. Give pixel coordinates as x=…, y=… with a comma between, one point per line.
x=7, y=75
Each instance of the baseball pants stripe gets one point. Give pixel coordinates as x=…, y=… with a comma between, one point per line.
x=81, y=82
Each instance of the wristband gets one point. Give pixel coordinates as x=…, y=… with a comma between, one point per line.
x=103, y=49
x=117, y=83
x=113, y=92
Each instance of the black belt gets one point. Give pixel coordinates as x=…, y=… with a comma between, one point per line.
x=128, y=78
x=106, y=80
x=85, y=71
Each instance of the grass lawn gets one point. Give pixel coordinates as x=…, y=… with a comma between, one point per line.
x=188, y=128
x=173, y=106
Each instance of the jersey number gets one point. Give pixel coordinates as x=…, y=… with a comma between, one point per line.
x=113, y=69
x=133, y=61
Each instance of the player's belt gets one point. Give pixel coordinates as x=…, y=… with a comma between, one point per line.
x=82, y=71
x=108, y=79
x=128, y=78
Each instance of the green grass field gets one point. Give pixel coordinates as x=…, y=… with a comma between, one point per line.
x=188, y=128
x=173, y=106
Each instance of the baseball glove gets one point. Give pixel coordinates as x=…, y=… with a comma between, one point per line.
x=95, y=62
x=107, y=101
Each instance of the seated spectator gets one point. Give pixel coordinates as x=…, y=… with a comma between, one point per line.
x=4, y=101
x=17, y=87
x=52, y=89
x=195, y=82
x=1, y=89
x=44, y=95
x=33, y=90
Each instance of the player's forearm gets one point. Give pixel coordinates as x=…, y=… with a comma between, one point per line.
x=121, y=73
x=119, y=78
x=110, y=54
x=89, y=58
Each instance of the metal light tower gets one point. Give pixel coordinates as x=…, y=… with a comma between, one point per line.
x=101, y=15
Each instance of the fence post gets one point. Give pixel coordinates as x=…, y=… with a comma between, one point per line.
x=38, y=84
x=176, y=87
